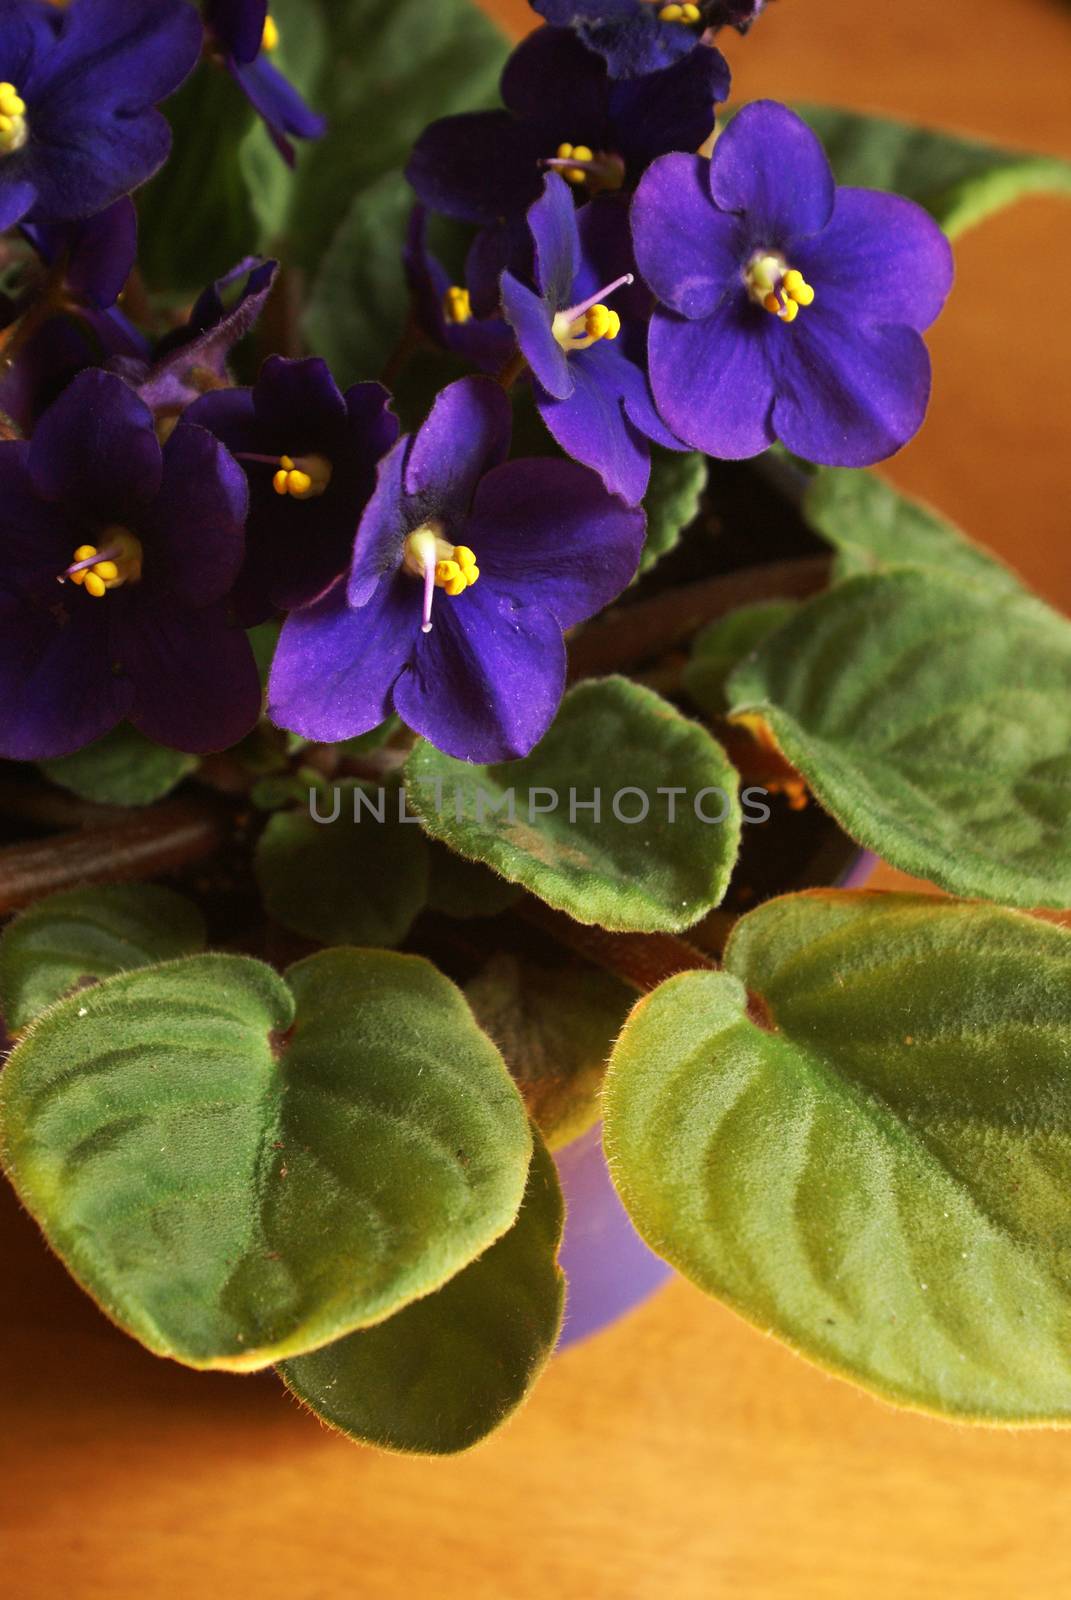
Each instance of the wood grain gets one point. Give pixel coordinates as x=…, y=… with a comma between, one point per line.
x=679, y=1456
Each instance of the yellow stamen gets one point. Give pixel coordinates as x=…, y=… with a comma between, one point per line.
x=578, y=152
x=270, y=41
x=457, y=305
x=780, y=289
x=580, y=333
x=679, y=13
x=119, y=564
x=303, y=477
x=14, y=129
x=452, y=568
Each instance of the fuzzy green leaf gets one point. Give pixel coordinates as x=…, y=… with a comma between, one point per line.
x=121, y=769
x=932, y=718
x=873, y=1160
x=672, y=500
x=345, y=881
x=461, y=888
x=67, y=940
x=448, y=1370
x=721, y=646
x=240, y=1170
x=555, y=1027
x=873, y=527
x=609, y=736
x=959, y=181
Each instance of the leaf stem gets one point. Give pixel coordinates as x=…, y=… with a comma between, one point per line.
x=642, y=960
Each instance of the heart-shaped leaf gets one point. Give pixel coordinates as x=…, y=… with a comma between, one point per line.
x=555, y=1027
x=450, y=1368
x=874, y=527
x=932, y=718
x=588, y=822
x=959, y=181
x=872, y=1158
x=241, y=1170
x=67, y=940
x=347, y=870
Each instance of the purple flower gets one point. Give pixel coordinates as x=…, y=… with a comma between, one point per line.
x=78, y=88
x=562, y=110
x=465, y=573
x=791, y=309
x=593, y=398
x=638, y=36
x=448, y=313
x=118, y=558
x=310, y=454
x=247, y=35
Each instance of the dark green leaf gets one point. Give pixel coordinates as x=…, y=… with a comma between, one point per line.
x=617, y=745
x=555, y=1027
x=672, y=501
x=240, y=1171
x=461, y=888
x=931, y=716
x=872, y=1159
x=122, y=769
x=959, y=181
x=82, y=935
x=360, y=879
x=448, y=1370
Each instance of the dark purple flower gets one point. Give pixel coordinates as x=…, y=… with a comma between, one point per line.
x=518, y=552
x=78, y=88
x=791, y=309
x=448, y=313
x=638, y=36
x=118, y=558
x=247, y=35
x=593, y=398
x=193, y=359
x=310, y=454
x=563, y=110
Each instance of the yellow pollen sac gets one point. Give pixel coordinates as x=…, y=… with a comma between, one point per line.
x=119, y=562
x=302, y=478
x=457, y=306
x=440, y=564
x=682, y=13
x=580, y=333
x=270, y=40
x=14, y=130
x=578, y=152
x=780, y=289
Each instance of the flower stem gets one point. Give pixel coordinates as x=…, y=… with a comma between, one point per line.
x=513, y=369
x=642, y=960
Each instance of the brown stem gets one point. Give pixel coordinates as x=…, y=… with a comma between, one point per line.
x=513, y=369
x=640, y=632
x=52, y=808
x=143, y=845
x=642, y=960
x=410, y=342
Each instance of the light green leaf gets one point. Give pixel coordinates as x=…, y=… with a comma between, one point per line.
x=448, y=1370
x=555, y=1027
x=872, y=1160
x=959, y=181
x=932, y=718
x=672, y=500
x=873, y=527
x=359, y=304
x=617, y=746
x=67, y=940
x=121, y=769
x=239, y=1170
x=360, y=879
x=721, y=646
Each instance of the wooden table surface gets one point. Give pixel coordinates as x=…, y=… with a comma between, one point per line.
x=680, y=1455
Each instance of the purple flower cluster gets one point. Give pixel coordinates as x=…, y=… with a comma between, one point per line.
x=648, y=277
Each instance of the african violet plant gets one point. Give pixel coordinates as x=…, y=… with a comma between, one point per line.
x=583, y=391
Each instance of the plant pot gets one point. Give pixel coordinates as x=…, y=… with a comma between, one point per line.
x=608, y=1268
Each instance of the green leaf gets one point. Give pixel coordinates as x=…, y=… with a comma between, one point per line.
x=555, y=1027
x=720, y=647
x=389, y=71
x=609, y=737
x=873, y=1159
x=932, y=718
x=359, y=304
x=269, y=179
x=874, y=527
x=360, y=879
x=67, y=940
x=959, y=181
x=461, y=888
x=239, y=1170
x=448, y=1370
x=672, y=500
x=121, y=769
